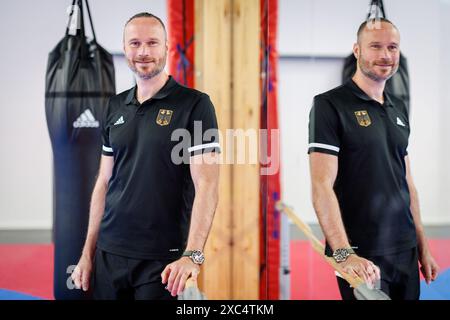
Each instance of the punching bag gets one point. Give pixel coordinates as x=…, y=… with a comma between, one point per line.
x=398, y=84
x=80, y=79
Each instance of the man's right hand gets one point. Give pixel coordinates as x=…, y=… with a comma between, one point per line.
x=82, y=273
x=365, y=269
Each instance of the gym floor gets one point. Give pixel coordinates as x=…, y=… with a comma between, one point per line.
x=26, y=267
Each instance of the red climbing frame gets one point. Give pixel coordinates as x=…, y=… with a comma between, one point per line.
x=270, y=184
x=181, y=40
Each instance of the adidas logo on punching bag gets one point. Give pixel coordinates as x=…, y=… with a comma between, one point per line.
x=86, y=120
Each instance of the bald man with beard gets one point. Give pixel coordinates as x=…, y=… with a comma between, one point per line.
x=150, y=213
x=362, y=188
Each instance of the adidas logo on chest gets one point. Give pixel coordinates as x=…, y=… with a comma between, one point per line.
x=119, y=121
x=400, y=122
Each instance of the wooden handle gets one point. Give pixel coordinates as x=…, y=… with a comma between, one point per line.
x=317, y=245
x=191, y=283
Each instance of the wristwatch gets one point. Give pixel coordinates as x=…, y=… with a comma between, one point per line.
x=341, y=254
x=196, y=256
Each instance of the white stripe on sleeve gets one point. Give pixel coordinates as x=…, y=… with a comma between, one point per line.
x=323, y=146
x=204, y=146
x=107, y=149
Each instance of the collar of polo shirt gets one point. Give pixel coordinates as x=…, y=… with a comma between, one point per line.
x=362, y=95
x=161, y=94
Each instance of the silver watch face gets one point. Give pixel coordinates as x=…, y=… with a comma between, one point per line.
x=198, y=257
x=340, y=255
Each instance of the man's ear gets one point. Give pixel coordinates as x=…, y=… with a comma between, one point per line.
x=356, y=50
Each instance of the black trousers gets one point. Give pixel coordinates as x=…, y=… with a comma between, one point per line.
x=121, y=278
x=399, y=276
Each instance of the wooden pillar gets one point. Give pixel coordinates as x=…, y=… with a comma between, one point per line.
x=227, y=67
x=213, y=76
x=246, y=116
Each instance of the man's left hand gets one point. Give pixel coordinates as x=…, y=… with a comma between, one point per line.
x=428, y=266
x=176, y=273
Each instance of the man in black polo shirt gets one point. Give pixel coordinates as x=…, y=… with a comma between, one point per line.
x=157, y=189
x=363, y=192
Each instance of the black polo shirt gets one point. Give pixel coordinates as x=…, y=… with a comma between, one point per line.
x=150, y=193
x=370, y=141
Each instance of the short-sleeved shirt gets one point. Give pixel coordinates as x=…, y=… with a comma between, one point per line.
x=370, y=140
x=150, y=193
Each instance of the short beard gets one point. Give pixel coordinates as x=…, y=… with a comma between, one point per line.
x=371, y=75
x=149, y=75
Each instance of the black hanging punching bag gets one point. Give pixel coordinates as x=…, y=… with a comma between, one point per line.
x=398, y=84
x=80, y=79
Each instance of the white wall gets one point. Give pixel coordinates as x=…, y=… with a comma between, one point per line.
x=326, y=28
x=444, y=88
x=29, y=30
x=319, y=27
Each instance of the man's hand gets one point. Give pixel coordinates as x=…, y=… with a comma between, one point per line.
x=358, y=266
x=176, y=273
x=81, y=275
x=428, y=266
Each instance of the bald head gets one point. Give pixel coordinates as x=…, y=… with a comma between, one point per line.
x=147, y=15
x=373, y=25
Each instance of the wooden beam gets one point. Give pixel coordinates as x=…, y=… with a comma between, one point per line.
x=213, y=76
x=246, y=115
x=227, y=67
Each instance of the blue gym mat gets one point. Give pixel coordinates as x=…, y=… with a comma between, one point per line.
x=14, y=295
x=436, y=290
